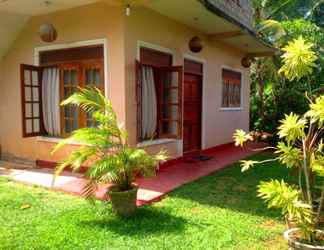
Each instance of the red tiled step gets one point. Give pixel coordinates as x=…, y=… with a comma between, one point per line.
x=168, y=178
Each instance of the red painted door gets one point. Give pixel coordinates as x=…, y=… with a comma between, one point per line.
x=192, y=112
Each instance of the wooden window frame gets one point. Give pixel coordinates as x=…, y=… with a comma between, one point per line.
x=23, y=85
x=82, y=118
x=160, y=104
x=62, y=68
x=81, y=66
x=230, y=79
x=93, y=64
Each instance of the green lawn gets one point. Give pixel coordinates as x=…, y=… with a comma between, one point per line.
x=216, y=212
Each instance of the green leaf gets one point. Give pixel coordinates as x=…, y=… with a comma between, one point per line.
x=298, y=59
x=247, y=164
x=316, y=112
x=289, y=155
x=292, y=128
x=240, y=137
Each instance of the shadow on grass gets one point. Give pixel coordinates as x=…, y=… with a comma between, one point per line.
x=234, y=190
x=146, y=221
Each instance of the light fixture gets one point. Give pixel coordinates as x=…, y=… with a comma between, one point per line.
x=246, y=62
x=128, y=10
x=195, y=44
x=47, y=31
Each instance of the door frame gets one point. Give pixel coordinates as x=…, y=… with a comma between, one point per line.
x=203, y=96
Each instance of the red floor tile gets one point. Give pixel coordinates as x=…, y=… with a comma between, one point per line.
x=153, y=189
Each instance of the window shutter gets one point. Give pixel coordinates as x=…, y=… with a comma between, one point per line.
x=31, y=100
x=138, y=80
x=170, y=102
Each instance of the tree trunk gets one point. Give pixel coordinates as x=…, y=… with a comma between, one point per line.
x=260, y=91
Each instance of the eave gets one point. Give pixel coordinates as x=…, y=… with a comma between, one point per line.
x=242, y=31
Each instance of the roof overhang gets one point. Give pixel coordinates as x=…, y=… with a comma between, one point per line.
x=217, y=25
x=201, y=15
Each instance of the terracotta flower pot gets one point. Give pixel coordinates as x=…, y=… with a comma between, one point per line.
x=123, y=202
x=295, y=244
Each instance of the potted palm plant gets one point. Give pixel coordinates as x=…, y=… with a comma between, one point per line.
x=105, y=149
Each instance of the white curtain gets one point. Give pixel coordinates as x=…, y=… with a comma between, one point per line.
x=51, y=101
x=149, y=103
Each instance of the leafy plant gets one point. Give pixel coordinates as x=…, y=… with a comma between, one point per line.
x=301, y=147
x=298, y=59
x=278, y=194
x=271, y=95
x=104, y=147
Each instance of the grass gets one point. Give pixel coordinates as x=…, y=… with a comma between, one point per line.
x=220, y=211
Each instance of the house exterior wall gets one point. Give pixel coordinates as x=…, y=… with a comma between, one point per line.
x=90, y=22
x=123, y=33
x=218, y=125
x=1, y=103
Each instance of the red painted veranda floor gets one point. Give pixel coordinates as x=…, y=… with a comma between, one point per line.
x=150, y=190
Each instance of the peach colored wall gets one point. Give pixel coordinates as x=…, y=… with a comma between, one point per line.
x=1, y=104
x=90, y=22
x=218, y=126
x=99, y=21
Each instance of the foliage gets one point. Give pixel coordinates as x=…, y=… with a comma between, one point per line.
x=271, y=96
x=279, y=194
x=301, y=148
x=205, y=214
x=298, y=59
x=316, y=112
x=292, y=128
x=288, y=155
x=240, y=137
x=104, y=147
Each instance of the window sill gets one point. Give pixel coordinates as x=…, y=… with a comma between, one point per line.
x=154, y=142
x=55, y=140
x=231, y=109
x=141, y=144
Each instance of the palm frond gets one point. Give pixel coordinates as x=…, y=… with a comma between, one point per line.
x=76, y=159
x=272, y=28
x=89, y=99
x=89, y=190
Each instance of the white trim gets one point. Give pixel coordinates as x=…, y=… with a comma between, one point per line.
x=56, y=140
x=240, y=108
x=203, y=97
x=142, y=44
x=103, y=42
x=231, y=109
x=144, y=144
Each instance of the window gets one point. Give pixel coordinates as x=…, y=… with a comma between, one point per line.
x=73, y=76
x=45, y=87
x=159, y=96
x=31, y=100
x=231, y=88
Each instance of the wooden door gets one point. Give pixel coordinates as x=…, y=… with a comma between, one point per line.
x=192, y=108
